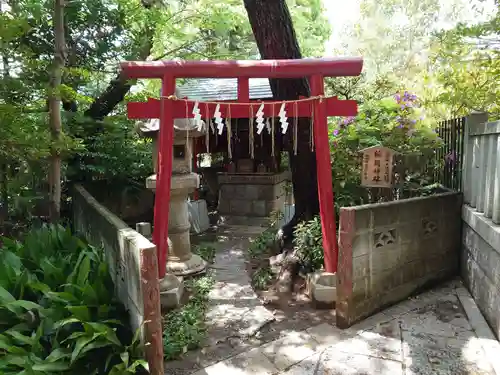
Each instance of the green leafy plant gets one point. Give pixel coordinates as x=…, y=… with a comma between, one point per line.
x=58, y=314
x=262, y=243
x=262, y=278
x=206, y=251
x=274, y=218
x=184, y=328
x=397, y=122
x=308, y=240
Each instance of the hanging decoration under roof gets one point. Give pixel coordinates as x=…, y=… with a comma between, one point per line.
x=260, y=114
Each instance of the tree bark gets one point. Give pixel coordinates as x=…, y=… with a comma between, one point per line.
x=275, y=36
x=55, y=112
x=4, y=186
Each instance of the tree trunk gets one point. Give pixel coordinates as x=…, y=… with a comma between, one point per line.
x=275, y=36
x=4, y=166
x=55, y=112
x=4, y=193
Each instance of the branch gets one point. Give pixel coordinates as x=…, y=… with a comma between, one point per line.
x=120, y=86
x=116, y=90
x=186, y=45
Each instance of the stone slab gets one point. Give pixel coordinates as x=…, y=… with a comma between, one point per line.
x=427, y=354
x=373, y=345
x=292, y=348
x=234, y=310
x=333, y=362
x=322, y=289
x=429, y=335
x=327, y=335
x=441, y=318
x=489, y=344
x=249, y=363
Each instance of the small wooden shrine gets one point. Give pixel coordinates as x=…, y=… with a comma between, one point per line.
x=254, y=182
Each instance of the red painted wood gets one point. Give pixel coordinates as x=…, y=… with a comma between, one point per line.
x=153, y=332
x=195, y=165
x=164, y=176
x=327, y=67
x=243, y=90
x=325, y=189
x=151, y=109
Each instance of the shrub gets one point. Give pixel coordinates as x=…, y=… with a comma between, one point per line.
x=206, y=251
x=262, y=243
x=58, y=314
x=398, y=123
x=262, y=278
x=308, y=241
x=184, y=329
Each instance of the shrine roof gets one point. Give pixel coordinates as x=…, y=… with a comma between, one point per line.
x=214, y=89
x=209, y=89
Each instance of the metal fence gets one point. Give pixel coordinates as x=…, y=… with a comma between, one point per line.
x=451, y=154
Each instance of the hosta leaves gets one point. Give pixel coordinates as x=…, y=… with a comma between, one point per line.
x=5, y=296
x=51, y=366
x=5, y=342
x=19, y=337
x=83, y=271
x=63, y=313
x=82, y=342
x=80, y=312
x=20, y=306
x=63, y=297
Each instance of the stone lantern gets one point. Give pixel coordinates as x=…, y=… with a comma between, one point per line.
x=180, y=260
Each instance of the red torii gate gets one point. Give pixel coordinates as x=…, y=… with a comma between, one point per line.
x=167, y=109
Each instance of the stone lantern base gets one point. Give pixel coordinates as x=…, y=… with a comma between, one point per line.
x=191, y=266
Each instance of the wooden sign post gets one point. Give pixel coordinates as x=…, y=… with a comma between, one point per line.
x=377, y=167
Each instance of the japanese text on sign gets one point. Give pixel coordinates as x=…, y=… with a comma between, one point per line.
x=377, y=167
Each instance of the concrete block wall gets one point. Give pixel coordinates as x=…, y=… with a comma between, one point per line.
x=251, y=195
x=391, y=250
x=133, y=267
x=480, y=264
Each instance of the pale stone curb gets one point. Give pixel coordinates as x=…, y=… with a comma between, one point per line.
x=489, y=343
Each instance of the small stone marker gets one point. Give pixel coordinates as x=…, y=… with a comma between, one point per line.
x=377, y=167
x=143, y=228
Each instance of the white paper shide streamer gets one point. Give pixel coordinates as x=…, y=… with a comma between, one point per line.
x=268, y=125
x=197, y=116
x=283, y=119
x=218, y=119
x=260, y=119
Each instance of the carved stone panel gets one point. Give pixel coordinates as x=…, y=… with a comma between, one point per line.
x=384, y=238
x=429, y=227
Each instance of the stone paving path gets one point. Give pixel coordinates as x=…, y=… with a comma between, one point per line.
x=235, y=311
x=441, y=332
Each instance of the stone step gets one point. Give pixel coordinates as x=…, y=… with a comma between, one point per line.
x=244, y=220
